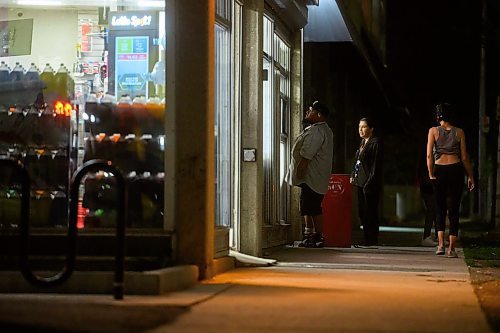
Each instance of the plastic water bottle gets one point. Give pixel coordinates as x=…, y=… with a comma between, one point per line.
x=47, y=73
x=4, y=72
x=61, y=82
x=65, y=86
x=17, y=73
x=48, y=79
x=32, y=74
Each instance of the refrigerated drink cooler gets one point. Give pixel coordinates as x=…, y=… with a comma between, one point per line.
x=36, y=132
x=130, y=134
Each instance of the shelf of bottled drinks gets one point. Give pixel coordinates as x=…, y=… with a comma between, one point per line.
x=51, y=133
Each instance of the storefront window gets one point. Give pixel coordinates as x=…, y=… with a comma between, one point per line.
x=227, y=54
x=83, y=80
x=276, y=117
x=268, y=121
x=223, y=125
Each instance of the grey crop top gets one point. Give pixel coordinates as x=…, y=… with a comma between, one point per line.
x=446, y=143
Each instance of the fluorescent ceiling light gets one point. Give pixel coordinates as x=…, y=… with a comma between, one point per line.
x=157, y=4
x=39, y=3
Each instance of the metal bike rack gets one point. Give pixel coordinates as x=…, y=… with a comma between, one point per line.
x=92, y=166
x=21, y=171
x=24, y=231
x=67, y=271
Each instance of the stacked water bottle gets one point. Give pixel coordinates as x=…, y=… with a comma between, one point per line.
x=32, y=132
x=24, y=89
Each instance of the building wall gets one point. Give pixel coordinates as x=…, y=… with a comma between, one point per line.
x=60, y=25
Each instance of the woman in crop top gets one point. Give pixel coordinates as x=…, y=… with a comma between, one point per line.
x=446, y=160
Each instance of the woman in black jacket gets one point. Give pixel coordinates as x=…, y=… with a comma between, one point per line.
x=367, y=178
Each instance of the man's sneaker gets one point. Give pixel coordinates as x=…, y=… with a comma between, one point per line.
x=312, y=240
x=309, y=240
x=452, y=254
x=361, y=246
x=428, y=241
x=306, y=242
x=318, y=240
x=365, y=245
x=440, y=250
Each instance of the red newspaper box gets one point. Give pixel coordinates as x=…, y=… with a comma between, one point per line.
x=336, y=206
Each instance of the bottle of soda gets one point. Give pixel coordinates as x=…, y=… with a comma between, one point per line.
x=154, y=107
x=106, y=112
x=138, y=105
x=125, y=115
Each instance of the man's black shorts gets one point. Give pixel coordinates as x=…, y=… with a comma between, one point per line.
x=310, y=201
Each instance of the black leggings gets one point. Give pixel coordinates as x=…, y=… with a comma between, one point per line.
x=368, y=214
x=429, y=201
x=449, y=186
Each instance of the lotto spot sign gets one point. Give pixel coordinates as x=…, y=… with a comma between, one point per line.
x=337, y=228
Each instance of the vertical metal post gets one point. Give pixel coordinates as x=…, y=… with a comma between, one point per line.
x=95, y=165
x=482, y=175
x=118, y=286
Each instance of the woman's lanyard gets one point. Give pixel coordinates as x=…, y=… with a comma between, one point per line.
x=358, y=161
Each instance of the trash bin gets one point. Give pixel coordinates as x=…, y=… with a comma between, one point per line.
x=337, y=229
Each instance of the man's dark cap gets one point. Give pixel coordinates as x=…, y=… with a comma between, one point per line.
x=320, y=107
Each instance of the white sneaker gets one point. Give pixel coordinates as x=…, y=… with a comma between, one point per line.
x=440, y=251
x=428, y=241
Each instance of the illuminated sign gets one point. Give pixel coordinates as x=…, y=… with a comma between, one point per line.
x=132, y=21
x=62, y=108
x=131, y=65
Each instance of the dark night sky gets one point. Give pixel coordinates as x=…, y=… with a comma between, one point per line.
x=434, y=55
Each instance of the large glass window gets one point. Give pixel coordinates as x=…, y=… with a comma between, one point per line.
x=282, y=73
x=234, y=236
x=227, y=53
x=268, y=141
x=223, y=124
x=276, y=117
x=83, y=80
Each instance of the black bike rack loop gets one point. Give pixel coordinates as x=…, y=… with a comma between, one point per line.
x=24, y=231
x=67, y=271
x=107, y=166
x=21, y=171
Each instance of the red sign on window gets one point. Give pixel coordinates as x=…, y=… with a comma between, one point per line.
x=86, y=39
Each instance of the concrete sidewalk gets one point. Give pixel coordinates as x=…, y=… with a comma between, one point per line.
x=389, y=289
